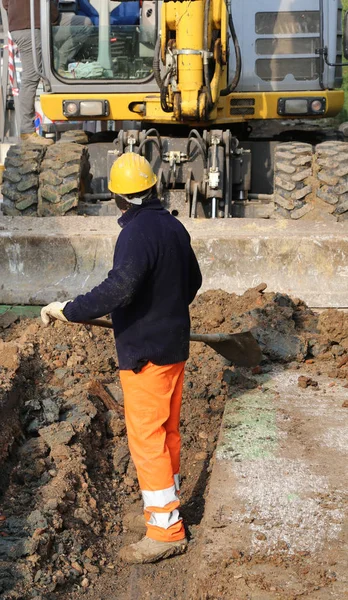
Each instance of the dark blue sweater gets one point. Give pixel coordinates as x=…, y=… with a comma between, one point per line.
x=155, y=276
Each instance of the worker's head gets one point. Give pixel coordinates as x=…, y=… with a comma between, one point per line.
x=131, y=179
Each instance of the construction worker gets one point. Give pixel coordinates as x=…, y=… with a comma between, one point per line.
x=155, y=276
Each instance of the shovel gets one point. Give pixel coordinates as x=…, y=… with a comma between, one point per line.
x=241, y=349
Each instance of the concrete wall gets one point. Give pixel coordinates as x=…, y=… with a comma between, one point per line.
x=42, y=260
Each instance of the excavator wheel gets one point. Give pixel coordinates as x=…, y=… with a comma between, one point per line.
x=74, y=135
x=332, y=175
x=21, y=179
x=292, y=175
x=64, y=178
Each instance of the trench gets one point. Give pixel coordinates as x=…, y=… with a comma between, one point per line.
x=67, y=479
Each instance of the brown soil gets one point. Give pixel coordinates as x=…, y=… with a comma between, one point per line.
x=66, y=478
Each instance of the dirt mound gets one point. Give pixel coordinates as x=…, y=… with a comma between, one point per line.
x=286, y=328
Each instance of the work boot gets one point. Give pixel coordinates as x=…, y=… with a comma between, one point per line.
x=149, y=551
x=35, y=138
x=135, y=522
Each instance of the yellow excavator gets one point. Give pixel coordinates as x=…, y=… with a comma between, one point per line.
x=226, y=99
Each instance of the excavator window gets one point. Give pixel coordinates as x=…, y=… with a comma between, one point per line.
x=120, y=49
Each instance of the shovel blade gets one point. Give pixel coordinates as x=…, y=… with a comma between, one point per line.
x=241, y=349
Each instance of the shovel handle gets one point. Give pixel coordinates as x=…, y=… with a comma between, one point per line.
x=99, y=323
x=194, y=337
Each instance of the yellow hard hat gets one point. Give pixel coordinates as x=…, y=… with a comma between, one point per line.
x=131, y=173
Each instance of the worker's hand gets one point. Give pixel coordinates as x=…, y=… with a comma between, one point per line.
x=53, y=312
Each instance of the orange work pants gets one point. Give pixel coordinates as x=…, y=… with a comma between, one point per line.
x=152, y=401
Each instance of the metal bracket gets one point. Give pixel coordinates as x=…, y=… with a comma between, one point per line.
x=175, y=157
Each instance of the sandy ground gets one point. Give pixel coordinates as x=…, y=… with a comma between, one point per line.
x=276, y=519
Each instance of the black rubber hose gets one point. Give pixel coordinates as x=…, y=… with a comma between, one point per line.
x=164, y=92
x=196, y=143
x=154, y=131
x=232, y=86
x=195, y=134
x=149, y=141
x=156, y=65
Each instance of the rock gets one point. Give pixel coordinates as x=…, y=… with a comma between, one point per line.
x=51, y=408
x=85, y=582
x=304, y=382
x=90, y=568
x=33, y=449
x=343, y=361
x=337, y=350
x=61, y=373
x=120, y=458
x=7, y=319
x=36, y=520
x=59, y=577
x=75, y=565
x=15, y=548
x=92, y=503
x=9, y=355
x=89, y=553
x=57, y=433
x=114, y=424
x=201, y=456
x=84, y=515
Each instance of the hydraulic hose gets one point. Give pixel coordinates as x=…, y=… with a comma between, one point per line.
x=196, y=143
x=164, y=92
x=149, y=132
x=195, y=134
x=232, y=86
x=149, y=141
x=156, y=65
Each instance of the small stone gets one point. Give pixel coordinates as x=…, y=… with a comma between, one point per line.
x=201, y=456
x=89, y=553
x=85, y=582
x=70, y=495
x=343, y=361
x=91, y=568
x=75, y=565
x=304, y=382
x=59, y=577
x=129, y=481
x=115, y=425
x=83, y=515
x=93, y=503
x=51, y=504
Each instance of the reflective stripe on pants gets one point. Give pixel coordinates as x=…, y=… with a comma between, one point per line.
x=152, y=400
